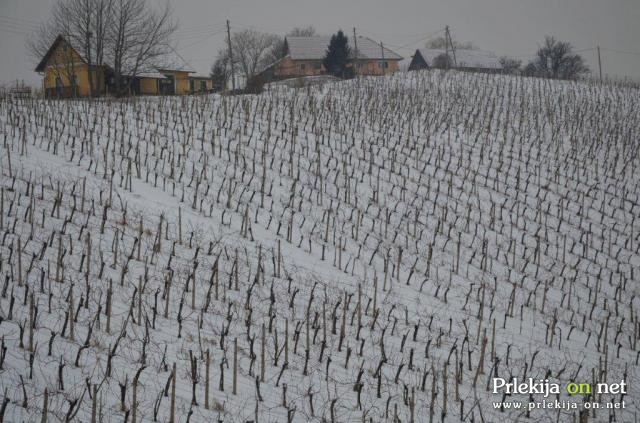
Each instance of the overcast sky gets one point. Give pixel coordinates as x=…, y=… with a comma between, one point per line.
x=507, y=27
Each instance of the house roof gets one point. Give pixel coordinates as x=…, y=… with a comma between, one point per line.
x=45, y=59
x=465, y=58
x=315, y=48
x=155, y=75
x=171, y=61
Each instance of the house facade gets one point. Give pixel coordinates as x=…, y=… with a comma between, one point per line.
x=304, y=56
x=462, y=59
x=66, y=73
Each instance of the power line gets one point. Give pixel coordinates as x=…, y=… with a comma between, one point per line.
x=13, y=18
x=18, y=26
x=15, y=32
x=621, y=51
x=261, y=29
x=193, y=32
x=201, y=35
x=425, y=38
x=204, y=39
x=585, y=49
x=203, y=26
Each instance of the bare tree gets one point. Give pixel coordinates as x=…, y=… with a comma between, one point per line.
x=128, y=35
x=139, y=39
x=300, y=31
x=442, y=61
x=252, y=50
x=555, y=59
x=220, y=70
x=441, y=43
x=83, y=25
x=509, y=65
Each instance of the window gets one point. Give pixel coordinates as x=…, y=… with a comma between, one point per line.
x=58, y=82
x=302, y=67
x=203, y=86
x=317, y=66
x=383, y=64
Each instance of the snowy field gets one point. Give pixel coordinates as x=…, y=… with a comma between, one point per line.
x=371, y=250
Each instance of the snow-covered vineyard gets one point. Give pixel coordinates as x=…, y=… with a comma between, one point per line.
x=371, y=250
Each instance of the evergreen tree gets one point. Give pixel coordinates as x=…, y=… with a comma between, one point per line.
x=337, y=56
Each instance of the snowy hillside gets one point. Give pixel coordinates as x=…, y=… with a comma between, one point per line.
x=371, y=250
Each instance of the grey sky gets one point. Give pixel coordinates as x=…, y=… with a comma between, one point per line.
x=507, y=27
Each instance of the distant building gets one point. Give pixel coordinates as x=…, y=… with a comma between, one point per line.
x=465, y=59
x=66, y=74
x=304, y=57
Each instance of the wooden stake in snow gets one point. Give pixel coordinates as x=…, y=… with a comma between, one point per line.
x=71, y=315
x=45, y=406
x=31, y=322
x=1, y=207
x=375, y=292
x=206, y=380
x=84, y=186
x=180, y=225
x=235, y=366
x=94, y=404
x=432, y=404
x=262, y=354
x=19, y=252
x=108, y=307
x=172, y=412
x=286, y=341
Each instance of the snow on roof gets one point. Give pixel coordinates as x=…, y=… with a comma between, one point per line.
x=465, y=58
x=171, y=61
x=315, y=48
x=156, y=75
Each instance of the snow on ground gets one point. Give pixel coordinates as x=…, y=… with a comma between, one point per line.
x=378, y=249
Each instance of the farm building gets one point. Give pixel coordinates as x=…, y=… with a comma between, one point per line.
x=66, y=74
x=465, y=59
x=304, y=57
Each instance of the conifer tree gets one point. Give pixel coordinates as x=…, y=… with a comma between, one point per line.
x=337, y=56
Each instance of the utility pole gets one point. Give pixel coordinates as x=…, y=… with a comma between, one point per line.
x=446, y=45
x=382, y=63
x=233, y=73
x=90, y=65
x=355, y=61
x=453, y=49
x=600, y=64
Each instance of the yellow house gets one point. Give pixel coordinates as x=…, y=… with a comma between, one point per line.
x=200, y=84
x=66, y=74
